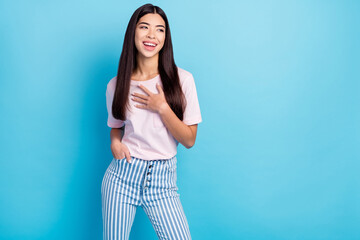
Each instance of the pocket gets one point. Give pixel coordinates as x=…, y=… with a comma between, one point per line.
x=158, y=123
x=172, y=174
x=171, y=165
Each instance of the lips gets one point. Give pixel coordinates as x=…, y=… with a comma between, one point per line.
x=148, y=47
x=149, y=42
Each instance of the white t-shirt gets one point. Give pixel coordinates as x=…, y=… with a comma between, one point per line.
x=146, y=136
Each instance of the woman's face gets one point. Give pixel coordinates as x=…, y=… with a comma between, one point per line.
x=150, y=30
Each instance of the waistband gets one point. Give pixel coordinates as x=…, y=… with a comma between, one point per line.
x=152, y=160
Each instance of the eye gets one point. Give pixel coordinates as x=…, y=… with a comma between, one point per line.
x=161, y=30
x=143, y=26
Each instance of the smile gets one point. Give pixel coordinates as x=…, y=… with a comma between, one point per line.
x=149, y=46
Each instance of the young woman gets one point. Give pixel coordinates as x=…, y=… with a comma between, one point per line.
x=152, y=106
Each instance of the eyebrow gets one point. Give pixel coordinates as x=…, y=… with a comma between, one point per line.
x=149, y=24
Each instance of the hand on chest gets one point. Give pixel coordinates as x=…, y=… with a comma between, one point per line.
x=141, y=116
x=148, y=96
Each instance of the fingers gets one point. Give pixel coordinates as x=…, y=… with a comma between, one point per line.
x=128, y=157
x=141, y=106
x=124, y=155
x=127, y=154
x=139, y=100
x=145, y=89
x=118, y=156
x=139, y=95
x=121, y=152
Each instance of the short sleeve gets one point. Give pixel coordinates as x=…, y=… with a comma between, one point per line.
x=111, y=121
x=192, y=114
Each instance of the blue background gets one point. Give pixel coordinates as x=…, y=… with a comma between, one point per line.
x=277, y=154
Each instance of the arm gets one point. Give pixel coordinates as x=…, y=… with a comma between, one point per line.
x=118, y=149
x=183, y=133
x=116, y=134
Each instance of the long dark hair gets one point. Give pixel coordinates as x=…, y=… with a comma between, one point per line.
x=167, y=69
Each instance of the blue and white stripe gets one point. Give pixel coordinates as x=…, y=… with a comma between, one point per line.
x=149, y=184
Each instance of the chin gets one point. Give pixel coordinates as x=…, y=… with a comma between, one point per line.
x=149, y=55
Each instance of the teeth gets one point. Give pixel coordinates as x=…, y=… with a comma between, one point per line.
x=150, y=44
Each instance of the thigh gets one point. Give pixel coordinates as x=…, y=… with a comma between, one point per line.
x=168, y=218
x=162, y=203
x=118, y=202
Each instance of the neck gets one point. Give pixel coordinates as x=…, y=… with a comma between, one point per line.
x=147, y=66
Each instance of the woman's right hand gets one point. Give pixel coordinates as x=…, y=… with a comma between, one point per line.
x=120, y=150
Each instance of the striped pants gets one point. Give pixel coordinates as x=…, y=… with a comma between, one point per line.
x=149, y=184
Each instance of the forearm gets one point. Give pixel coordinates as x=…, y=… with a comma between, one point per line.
x=181, y=132
x=116, y=134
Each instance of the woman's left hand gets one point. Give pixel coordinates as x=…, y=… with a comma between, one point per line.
x=153, y=102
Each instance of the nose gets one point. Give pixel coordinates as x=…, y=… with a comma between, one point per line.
x=150, y=33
